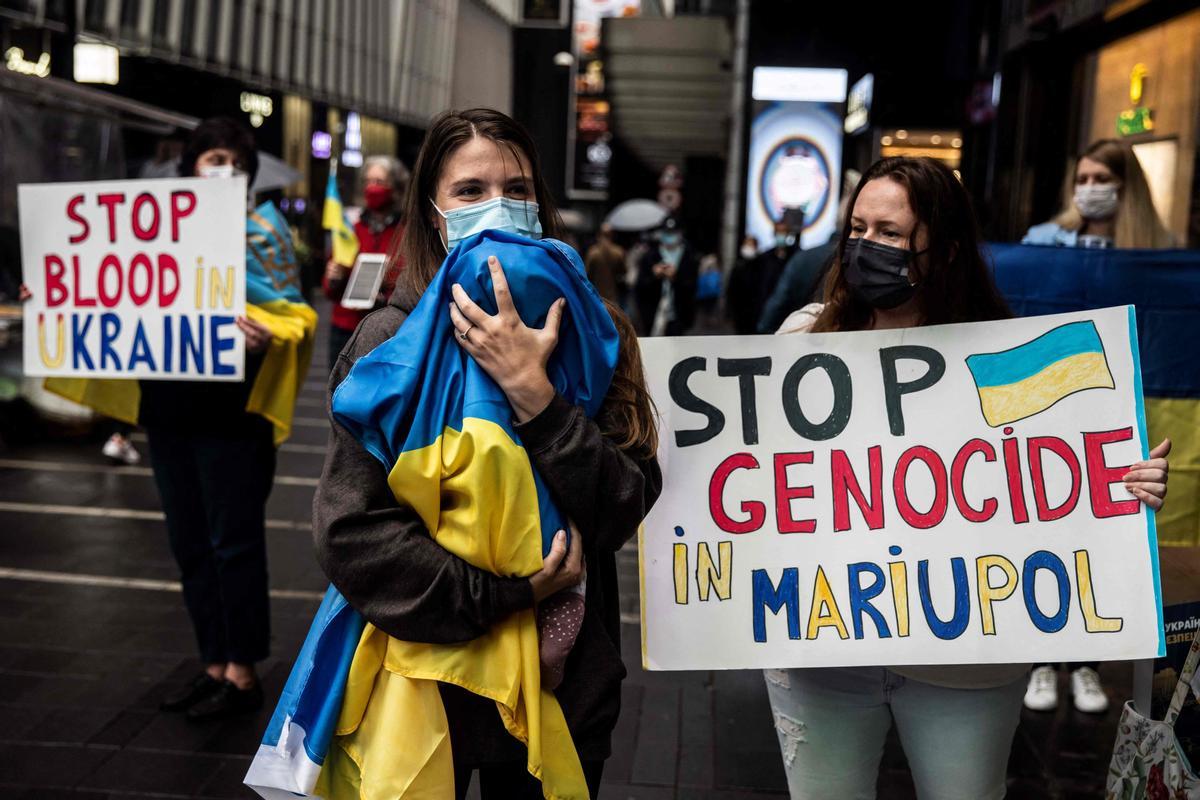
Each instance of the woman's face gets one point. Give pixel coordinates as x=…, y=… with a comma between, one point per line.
x=217, y=157
x=883, y=215
x=481, y=170
x=377, y=175
x=1090, y=173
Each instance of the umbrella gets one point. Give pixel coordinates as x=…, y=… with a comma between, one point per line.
x=636, y=215
x=273, y=173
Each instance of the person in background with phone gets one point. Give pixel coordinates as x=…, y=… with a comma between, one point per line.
x=385, y=180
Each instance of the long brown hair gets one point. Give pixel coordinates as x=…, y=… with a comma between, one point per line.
x=421, y=246
x=1137, y=221
x=955, y=283
x=628, y=414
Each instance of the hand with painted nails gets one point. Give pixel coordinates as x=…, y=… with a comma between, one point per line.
x=513, y=354
x=1147, y=480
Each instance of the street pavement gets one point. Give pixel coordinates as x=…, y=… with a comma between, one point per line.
x=93, y=633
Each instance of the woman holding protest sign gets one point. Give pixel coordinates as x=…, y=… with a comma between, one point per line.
x=214, y=463
x=478, y=171
x=909, y=256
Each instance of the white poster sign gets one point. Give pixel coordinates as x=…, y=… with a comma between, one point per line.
x=135, y=279
x=936, y=495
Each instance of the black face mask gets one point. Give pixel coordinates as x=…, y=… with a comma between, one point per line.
x=878, y=273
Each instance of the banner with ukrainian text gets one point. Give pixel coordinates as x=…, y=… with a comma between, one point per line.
x=938, y=495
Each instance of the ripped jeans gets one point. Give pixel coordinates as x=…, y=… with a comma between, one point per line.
x=833, y=723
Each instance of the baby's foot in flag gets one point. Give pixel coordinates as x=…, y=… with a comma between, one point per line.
x=559, y=618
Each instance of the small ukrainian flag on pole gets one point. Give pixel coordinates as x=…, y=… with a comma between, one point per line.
x=1029, y=378
x=333, y=219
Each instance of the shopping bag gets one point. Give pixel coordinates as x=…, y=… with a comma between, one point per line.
x=1147, y=761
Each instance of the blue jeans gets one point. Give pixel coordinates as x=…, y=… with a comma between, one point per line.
x=832, y=725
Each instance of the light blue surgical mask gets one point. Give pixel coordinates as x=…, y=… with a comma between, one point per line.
x=498, y=214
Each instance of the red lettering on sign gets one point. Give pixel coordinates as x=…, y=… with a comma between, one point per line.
x=73, y=204
x=183, y=203
x=1101, y=476
x=1063, y=450
x=937, y=511
x=716, y=492
x=56, y=289
x=145, y=233
x=110, y=203
x=785, y=493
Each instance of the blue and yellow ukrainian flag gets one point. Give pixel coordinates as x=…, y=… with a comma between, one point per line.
x=443, y=430
x=1163, y=286
x=274, y=299
x=1027, y=379
x=333, y=219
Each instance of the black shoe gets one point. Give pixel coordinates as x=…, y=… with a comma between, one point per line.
x=187, y=696
x=227, y=701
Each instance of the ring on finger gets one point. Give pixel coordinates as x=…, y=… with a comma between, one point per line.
x=464, y=334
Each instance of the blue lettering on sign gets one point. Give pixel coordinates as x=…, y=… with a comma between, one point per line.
x=140, y=352
x=767, y=595
x=220, y=344
x=954, y=627
x=860, y=598
x=1044, y=559
x=191, y=342
x=78, y=343
x=110, y=329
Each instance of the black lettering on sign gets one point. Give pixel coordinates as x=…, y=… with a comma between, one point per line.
x=843, y=396
x=688, y=401
x=894, y=390
x=745, y=370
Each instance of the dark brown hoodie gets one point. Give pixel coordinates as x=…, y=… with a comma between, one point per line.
x=382, y=559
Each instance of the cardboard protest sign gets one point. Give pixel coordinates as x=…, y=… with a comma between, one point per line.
x=936, y=495
x=135, y=279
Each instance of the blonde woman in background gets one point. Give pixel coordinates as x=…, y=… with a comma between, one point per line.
x=1106, y=203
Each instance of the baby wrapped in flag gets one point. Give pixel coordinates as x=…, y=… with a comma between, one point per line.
x=361, y=715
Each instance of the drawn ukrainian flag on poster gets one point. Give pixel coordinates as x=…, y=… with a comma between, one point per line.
x=1027, y=379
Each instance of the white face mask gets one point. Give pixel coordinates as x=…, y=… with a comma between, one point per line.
x=499, y=214
x=1097, y=200
x=219, y=171
x=749, y=252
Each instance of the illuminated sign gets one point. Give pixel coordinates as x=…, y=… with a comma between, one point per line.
x=14, y=59
x=1138, y=119
x=353, y=132
x=258, y=106
x=322, y=144
x=96, y=63
x=352, y=158
x=1137, y=83
x=1133, y=121
x=858, y=106
x=799, y=84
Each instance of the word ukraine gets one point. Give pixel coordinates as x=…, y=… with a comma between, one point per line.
x=137, y=279
x=863, y=508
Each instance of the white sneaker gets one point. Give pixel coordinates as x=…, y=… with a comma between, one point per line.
x=1042, y=694
x=118, y=448
x=1088, y=693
